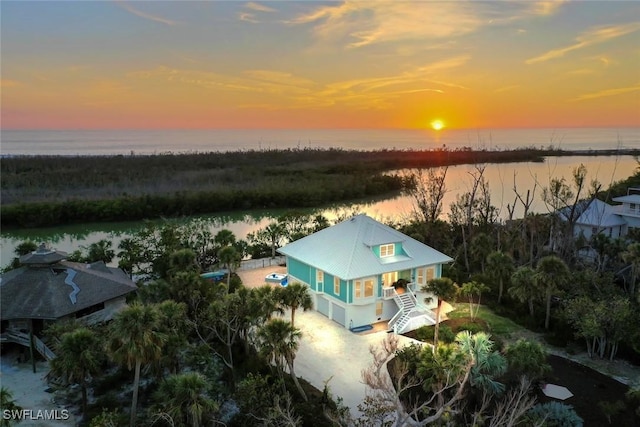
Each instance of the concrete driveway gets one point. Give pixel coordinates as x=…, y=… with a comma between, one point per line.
x=329, y=351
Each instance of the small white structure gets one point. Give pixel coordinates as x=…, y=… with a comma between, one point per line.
x=556, y=391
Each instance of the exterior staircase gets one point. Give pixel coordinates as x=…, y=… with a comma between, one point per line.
x=23, y=339
x=409, y=309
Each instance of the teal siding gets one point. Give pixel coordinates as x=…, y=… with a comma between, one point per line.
x=328, y=288
x=299, y=269
x=399, y=249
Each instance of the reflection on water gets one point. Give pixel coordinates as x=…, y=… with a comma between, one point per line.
x=501, y=178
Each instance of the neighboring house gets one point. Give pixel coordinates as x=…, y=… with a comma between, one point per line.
x=629, y=210
x=598, y=217
x=47, y=289
x=595, y=217
x=351, y=269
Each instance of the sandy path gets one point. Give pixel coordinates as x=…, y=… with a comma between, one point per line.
x=28, y=391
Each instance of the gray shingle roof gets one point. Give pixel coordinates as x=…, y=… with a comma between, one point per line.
x=40, y=292
x=346, y=249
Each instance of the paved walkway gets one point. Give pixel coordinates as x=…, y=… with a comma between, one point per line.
x=328, y=351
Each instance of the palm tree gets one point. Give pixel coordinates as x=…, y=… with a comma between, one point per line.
x=184, y=398
x=230, y=258
x=523, y=287
x=274, y=231
x=632, y=256
x=488, y=364
x=444, y=289
x=550, y=273
x=77, y=359
x=480, y=248
x=7, y=403
x=500, y=267
x=175, y=327
x=296, y=295
x=278, y=341
x=134, y=341
x=225, y=238
x=100, y=251
x=470, y=290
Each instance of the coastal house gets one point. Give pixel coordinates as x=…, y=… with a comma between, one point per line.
x=597, y=217
x=47, y=289
x=356, y=270
x=629, y=209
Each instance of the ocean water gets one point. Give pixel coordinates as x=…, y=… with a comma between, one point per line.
x=127, y=142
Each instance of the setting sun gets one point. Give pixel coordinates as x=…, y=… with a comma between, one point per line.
x=437, y=125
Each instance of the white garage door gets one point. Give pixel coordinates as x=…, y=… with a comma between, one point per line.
x=339, y=314
x=322, y=305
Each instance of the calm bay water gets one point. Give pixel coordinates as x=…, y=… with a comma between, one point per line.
x=501, y=177
x=125, y=142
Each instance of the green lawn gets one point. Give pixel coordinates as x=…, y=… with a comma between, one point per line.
x=499, y=325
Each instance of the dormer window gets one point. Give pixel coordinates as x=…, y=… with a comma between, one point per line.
x=387, y=250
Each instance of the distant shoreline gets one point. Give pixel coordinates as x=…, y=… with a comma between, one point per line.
x=49, y=190
x=545, y=152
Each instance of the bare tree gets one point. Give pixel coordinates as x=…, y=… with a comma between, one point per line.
x=427, y=192
x=568, y=201
x=391, y=394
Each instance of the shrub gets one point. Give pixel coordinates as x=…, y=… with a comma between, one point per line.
x=527, y=358
x=554, y=414
x=425, y=333
x=611, y=409
x=445, y=334
x=472, y=327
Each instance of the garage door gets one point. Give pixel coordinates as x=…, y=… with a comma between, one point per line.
x=322, y=305
x=339, y=314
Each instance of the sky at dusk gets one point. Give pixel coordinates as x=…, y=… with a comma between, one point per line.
x=306, y=64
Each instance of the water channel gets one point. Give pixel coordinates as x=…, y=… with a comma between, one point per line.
x=501, y=178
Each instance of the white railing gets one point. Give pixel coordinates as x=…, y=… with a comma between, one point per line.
x=394, y=319
x=388, y=293
x=624, y=210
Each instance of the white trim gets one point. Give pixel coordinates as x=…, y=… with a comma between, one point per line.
x=389, y=250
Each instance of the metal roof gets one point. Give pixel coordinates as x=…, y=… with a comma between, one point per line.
x=630, y=198
x=345, y=250
x=597, y=213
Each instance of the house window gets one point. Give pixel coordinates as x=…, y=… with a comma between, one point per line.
x=389, y=278
x=336, y=285
x=319, y=277
x=387, y=250
x=431, y=273
x=379, y=309
x=632, y=206
x=364, y=288
x=368, y=288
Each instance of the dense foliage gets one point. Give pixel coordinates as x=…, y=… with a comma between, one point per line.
x=52, y=190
